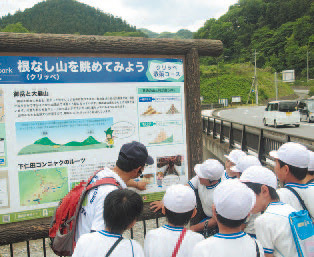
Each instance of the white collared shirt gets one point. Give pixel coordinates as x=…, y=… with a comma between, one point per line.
x=98, y=244
x=306, y=192
x=206, y=194
x=226, y=245
x=225, y=176
x=161, y=242
x=274, y=232
x=91, y=214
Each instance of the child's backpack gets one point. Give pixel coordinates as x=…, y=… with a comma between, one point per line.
x=302, y=229
x=303, y=233
x=63, y=226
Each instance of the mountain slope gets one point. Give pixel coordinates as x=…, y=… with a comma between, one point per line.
x=66, y=17
x=281, y=32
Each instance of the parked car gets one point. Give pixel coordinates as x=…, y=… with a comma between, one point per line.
x=282, y=113
x=306, y=109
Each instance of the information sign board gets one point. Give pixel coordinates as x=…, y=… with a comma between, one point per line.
x=63, y=118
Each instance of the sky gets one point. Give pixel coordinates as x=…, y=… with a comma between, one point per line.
x=155, y=15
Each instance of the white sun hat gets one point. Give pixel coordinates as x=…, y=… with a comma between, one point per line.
x=293, y=154
x=260, y=175
x=233, y=200
x=179, y=199
x=311, y=162
x=245, y=162
x=210, y=169
x=235, y=155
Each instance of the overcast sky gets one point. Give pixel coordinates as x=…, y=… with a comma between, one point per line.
x=155, y=15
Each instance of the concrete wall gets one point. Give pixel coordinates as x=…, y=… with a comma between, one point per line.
x=213, y=149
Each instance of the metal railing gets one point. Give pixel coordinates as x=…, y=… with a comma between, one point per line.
x=258, y=140
x=135, y=233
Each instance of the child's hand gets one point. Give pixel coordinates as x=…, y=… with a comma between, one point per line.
x=197, y=227
x=141, y=185
x=156, y=206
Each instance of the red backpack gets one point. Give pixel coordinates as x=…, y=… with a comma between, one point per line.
x=63, y=226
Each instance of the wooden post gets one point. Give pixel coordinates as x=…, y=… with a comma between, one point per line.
x=193, y=107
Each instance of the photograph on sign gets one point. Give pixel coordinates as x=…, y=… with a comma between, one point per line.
x=64, y=118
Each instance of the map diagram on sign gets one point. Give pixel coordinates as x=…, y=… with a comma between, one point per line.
x=48, y=185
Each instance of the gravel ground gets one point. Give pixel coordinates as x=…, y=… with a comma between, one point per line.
x=36, y=246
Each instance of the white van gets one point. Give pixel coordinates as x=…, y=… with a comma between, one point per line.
x=282, y=113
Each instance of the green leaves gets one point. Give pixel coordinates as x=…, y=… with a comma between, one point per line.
x=16, y=28
x=278, y=30
x=236, y=80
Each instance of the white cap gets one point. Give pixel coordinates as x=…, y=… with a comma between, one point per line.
x=293, y=154
x=245, y=162
x=311, y=162
x=235, y=155
x=260, y=175
x=179, y=199
x=210, y=169
x=233, y=200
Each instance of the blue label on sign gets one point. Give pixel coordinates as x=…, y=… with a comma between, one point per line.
x=1, y=161
x=35, y=69
x=145, y=99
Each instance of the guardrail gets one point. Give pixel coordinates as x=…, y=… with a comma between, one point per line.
x=258, y=140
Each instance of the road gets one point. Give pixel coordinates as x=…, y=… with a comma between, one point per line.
x=254, y=116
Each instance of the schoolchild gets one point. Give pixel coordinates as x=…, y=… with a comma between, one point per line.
x=309, y=179
x=292, y=160
x=233, y=202
x=245, y=162
x=179, y=207
x=131, y=162
x=242, y=164
x=231, y=159
x=208, y=176
x=125, y=207
x=272, y=226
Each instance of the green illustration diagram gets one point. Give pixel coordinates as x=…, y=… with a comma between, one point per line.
x=64, y=135
x=43, y=186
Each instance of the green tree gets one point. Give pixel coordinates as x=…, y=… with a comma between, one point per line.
x=16, y=28
x=126, y=34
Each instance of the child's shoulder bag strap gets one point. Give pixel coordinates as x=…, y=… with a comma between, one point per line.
x=299, y=198
x=257, y=249
x=310, y=181
x=114, y=246
x=178, y=244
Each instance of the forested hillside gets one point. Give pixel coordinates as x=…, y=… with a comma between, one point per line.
x=181, y=34
x=67, y=17
x=280, y=31
x=236, y=80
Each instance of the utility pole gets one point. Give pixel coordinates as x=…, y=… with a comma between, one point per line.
x=276, y=85
x=307, y=65
x=255, y=79
x=218, y=87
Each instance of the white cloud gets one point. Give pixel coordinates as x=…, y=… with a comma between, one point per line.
x=11, y=6
x=158, y=16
